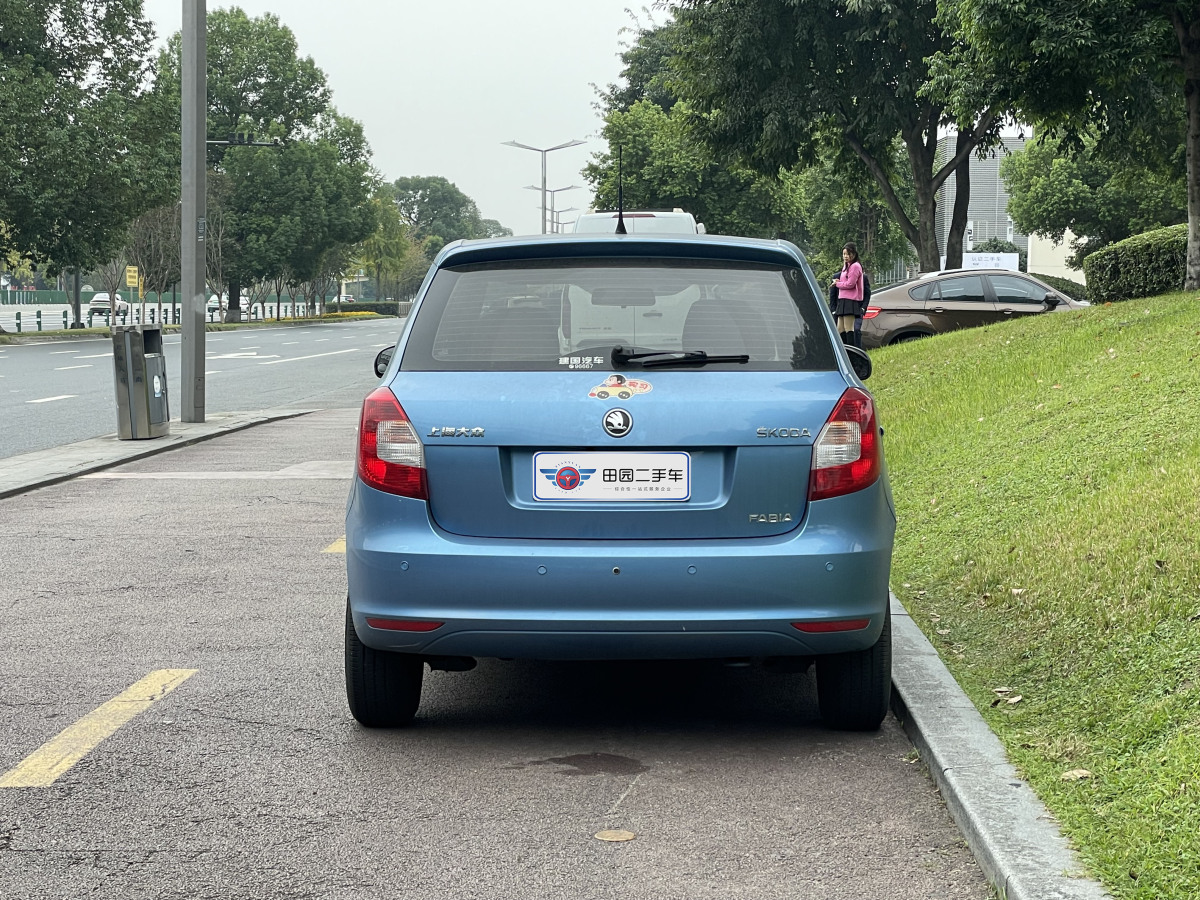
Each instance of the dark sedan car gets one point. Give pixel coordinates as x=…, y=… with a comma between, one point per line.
x=957, y=298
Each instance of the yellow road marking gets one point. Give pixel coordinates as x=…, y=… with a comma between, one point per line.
x=55, y=757
x=338, y=546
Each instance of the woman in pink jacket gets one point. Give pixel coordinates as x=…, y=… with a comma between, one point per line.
x=849, y=284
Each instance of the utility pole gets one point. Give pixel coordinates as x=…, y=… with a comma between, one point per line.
x=193, y=226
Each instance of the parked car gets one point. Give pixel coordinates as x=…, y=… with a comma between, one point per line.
x=101, y=304
x=645, y=221
x=727, y=498
x=216, y=304
x=953, y=299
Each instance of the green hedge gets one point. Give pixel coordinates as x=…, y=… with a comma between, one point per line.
x=1072, y=289
x=381, y=307
x=1140, y=266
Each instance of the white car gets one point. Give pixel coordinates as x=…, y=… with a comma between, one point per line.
x=102, y=303
x=641, y=221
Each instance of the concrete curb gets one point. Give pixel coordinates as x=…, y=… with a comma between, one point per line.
x=29, y=471
x=1013, y=836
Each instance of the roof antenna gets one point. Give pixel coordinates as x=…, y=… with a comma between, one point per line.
x=620, y=194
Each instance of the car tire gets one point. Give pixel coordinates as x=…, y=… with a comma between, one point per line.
x=383, y=689
x=624, y=395
x=603, y=395
x=855, y=689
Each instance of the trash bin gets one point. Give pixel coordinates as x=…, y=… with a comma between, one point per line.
x=140, y=369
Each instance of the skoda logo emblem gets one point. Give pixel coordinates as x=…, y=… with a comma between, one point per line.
x=618, y=423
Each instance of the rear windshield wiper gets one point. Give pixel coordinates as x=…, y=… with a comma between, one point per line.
x=654, y=359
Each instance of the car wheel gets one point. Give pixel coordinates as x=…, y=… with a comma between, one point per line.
x=382, y=688
x=854, y=689
x=603, y=395
x=624, y=395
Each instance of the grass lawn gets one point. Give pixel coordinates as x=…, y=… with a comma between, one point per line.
x=1047, y=478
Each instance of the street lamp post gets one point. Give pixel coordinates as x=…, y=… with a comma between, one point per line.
x=551, y=192
x=558, y=223
x=194, y=130
x=543, y=152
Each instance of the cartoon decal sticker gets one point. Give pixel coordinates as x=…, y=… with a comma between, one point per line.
x=621, y=387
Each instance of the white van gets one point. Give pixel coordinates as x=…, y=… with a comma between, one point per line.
x=642, y=221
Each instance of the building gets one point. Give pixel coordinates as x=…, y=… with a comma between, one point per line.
x=987, y=212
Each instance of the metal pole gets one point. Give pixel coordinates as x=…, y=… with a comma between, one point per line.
x=195, y=206
x=544, y=152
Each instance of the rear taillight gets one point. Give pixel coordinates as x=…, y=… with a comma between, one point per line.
x=872, y=312
x=846, y=454
x=390, y=455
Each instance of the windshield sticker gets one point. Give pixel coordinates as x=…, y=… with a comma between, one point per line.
x=620, y=387
x=582, y=362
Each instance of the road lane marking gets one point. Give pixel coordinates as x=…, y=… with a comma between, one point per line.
x=52, y=399
x=55, y=757
x=314, y=356
x=68, y=368
x=321, y=340
x=287, y=343
x=338, y=546
x=96, y=356
x=60, y=352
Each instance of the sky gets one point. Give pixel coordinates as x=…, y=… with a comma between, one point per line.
x=439, y=85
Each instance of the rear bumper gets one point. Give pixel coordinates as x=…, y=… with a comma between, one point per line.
x=613, y=599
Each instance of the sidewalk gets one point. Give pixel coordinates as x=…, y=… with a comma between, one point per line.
x=28, y=471
x=1011, y=834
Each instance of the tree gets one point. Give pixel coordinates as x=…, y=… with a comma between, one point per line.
x=86, y=141
x=1105, y=65
x=154, y=247
x=666, y=165
x=385, y=251
x=286, y=205
x=662, y=166
x=778, y=80
x=1055, y=186
x=435, y=208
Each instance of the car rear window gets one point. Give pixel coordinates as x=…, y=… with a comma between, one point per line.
x=565, y=314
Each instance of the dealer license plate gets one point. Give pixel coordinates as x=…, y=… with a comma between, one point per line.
x=652, y=475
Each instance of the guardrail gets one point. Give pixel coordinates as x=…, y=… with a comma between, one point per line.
x=26, y=321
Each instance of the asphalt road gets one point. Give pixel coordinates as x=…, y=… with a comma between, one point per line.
x=250, y=779
x=54, y=392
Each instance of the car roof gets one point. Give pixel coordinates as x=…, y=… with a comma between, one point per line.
x=566, y=246
x=942, y=272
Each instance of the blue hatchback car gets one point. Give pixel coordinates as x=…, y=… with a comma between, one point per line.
x=607, y=447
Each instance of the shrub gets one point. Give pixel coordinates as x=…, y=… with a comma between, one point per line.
x=1072, y=289
x=382, y=307
x=1140, y=266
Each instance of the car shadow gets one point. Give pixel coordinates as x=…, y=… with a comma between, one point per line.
x=670, y=695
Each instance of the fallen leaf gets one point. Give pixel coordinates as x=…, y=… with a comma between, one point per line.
x=1136, y=375
x=1002, y=690
x=1075, y=775
x=1017, y=592
x=615, y=835
x=943, y=631
x=1014, y=700
x=934, y=617
x=1058, y=387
